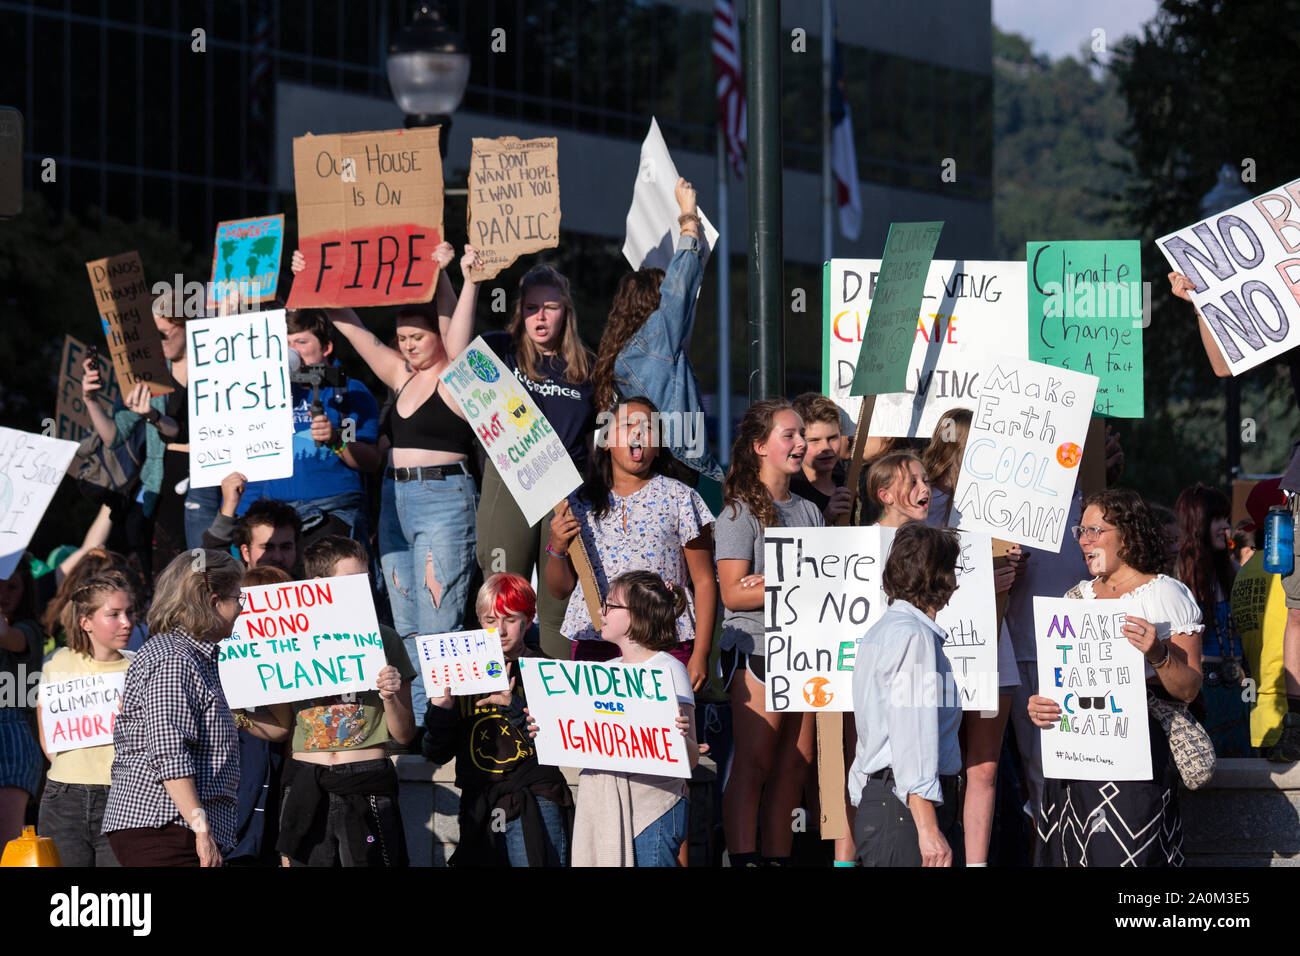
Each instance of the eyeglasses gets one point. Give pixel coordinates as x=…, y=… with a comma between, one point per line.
x=606, y=607
x=1092, y=703
x=1081, y=532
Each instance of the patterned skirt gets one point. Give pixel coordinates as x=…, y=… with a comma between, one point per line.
x=1114, y=823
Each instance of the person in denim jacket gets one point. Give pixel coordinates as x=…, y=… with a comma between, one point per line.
x=647, y=338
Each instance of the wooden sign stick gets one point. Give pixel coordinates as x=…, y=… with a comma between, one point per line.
x=859, y=452
x=830, y=775
x=586, y=577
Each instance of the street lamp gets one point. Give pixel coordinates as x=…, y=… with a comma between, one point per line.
x=1226, y=193
x=428, y=69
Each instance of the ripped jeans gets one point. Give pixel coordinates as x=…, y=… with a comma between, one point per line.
x=426, y=550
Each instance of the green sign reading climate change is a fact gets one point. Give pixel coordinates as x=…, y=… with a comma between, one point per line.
x=895, y=304
x=1085, y=314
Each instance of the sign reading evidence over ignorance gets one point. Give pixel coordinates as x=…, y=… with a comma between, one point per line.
x=530, y=457
x=966, y=305
x=369, y=218
x=1244, y=265
x=824, y=594
x=241, y=411
x=300, y=640
x=605, y=716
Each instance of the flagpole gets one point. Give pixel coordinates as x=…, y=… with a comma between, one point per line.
x=828, y=180
x=722, y=256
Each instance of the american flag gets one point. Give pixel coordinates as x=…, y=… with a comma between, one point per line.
x=731, y=91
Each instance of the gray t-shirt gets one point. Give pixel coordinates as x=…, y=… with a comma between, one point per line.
x=741, y=537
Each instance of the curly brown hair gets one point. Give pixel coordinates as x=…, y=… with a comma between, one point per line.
x=742, y=484
x=635, y=299
x=1142, y=545
x=922, y=566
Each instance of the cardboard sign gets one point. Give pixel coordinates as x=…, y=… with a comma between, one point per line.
x=967, y=305
x=369, y=218
x=823, y=594
x=605, y=716
x=1245, y=266
x=72, y=417
x=300, y=640
x=246, y=258
x=240, y=406
x=652, y=227
x=886, y=344
x=466, y=662
x=518, y=439
x=1023, y=452
x=1085, y=313
x=514, y=200
x=31, y=467
x=80, y=711
x=125, y=306
x=1097, y=677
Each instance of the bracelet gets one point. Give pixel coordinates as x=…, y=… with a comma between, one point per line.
x=686, y=217
x=1164, y=660
x=555, y=554
x=241, y=720
x=153, y=416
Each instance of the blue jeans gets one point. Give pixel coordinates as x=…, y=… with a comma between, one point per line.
x=348, y=508
x=426, y=538
x=201, y=506
x=657, y=844
x=557, y=848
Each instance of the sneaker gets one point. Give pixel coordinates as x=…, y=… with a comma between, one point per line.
x=1287, y=748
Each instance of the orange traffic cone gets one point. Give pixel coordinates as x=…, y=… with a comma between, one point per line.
x=30, y=850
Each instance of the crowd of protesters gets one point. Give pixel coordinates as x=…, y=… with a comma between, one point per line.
x=188, y=781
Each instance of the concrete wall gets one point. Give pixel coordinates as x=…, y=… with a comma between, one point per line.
x=1248, y=815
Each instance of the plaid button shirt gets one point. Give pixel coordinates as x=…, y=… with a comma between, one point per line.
x=174, y=723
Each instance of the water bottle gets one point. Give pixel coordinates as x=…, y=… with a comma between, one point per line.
x=1279, y=540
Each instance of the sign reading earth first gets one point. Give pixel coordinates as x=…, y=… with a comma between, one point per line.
x=1023, y=451
x=823, y=594
x=246, y=258
x=966, y=305
x=529, y=455
x=462, y=662
x=1097, y=678
x=1244, y=264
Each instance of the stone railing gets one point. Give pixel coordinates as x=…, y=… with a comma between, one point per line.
x=1248, y=815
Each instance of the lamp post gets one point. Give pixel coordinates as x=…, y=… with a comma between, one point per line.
x=428, y=70
x=1226, y=193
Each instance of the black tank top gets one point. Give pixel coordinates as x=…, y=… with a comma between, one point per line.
x=433, y=426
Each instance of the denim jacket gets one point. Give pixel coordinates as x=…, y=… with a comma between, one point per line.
x=654, y=362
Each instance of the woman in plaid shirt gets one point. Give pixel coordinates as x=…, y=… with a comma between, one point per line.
x=176, y=760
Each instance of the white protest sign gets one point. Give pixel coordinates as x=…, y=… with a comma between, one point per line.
x=300, y=640
x=529, y=455
x=969, y=621
x=605, y=716
x=240, y=406
x=1023, y=451
x=466, y=662
x=1098, y=679
x=823, y=593
x=969, y=306
x=1244, y=264
x=31, y=467
x=652, y=227
x=80, y=711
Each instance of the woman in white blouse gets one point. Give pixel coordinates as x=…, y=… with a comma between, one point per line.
x=1127, y=823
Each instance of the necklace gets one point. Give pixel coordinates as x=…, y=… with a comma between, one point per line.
x=1115, y=587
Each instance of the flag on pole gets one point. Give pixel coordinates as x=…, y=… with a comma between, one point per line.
x=844, y=158
x=731, y=92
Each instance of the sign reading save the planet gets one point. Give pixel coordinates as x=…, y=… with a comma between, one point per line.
x=462, y=662
x=1085, y=313
x=246, y=258
x=302, y=639
x=605, y=716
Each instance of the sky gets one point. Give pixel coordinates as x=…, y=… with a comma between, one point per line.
x=1058, y=27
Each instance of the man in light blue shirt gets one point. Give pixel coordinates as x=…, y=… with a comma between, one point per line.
x=907, y=709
